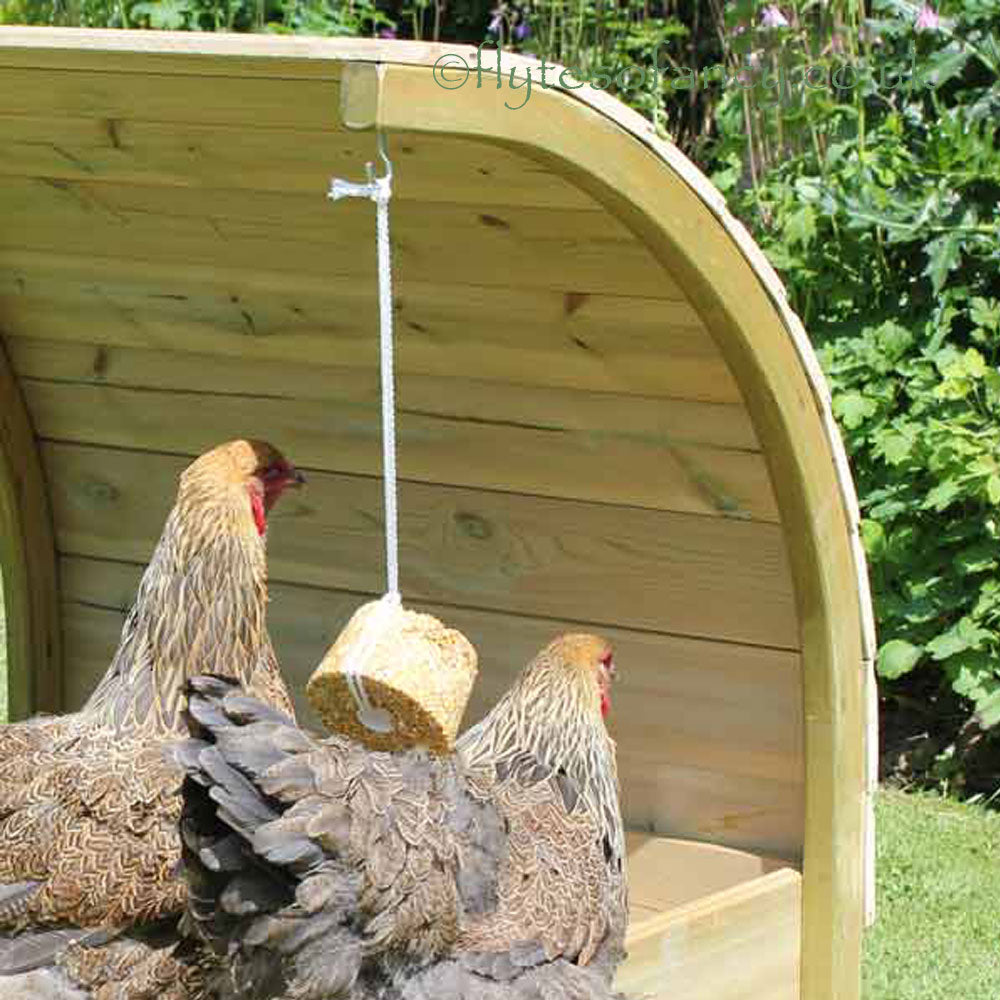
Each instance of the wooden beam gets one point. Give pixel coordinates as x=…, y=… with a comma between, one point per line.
x=516, y=248
x=608, y=343
x=197, y=53
x=96, y=363
x=246, y=159
x=27, y=562
x=264, y=102
x=742, y=943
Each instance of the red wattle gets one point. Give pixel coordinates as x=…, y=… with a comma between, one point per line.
x=257, y=506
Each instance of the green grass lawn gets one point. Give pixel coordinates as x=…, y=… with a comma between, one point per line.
x=938, y=931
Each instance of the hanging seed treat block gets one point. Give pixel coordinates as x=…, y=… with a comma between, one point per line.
x=412, y=674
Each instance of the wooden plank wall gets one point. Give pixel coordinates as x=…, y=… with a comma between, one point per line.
x=573, y=448
x=742, y=943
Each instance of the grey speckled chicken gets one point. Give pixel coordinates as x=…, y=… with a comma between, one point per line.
x=320, y=870
x=89, y=893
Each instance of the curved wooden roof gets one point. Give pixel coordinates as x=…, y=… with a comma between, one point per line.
x=609, y=416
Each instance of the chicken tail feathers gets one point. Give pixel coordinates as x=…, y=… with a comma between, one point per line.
x=261, y=892
x=38, y=949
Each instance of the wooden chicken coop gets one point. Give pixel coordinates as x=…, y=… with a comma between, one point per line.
x=608, y=419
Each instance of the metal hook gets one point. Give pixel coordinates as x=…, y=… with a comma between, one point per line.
x=382, y=143
x=376, y=187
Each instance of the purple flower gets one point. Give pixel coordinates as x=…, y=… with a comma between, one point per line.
x=521, y=30
x=496, y=22
x=387, y=33
x=771, y=17
x=927, y=19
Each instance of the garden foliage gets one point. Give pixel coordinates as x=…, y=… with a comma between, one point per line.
x=876, y=197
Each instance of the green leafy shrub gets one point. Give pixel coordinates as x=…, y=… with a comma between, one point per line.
x=319, y=17
x=879, y=205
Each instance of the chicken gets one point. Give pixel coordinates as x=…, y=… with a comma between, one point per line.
x=320, y=869
x=89, y=805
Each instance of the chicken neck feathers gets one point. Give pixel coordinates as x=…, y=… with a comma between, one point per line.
x=89, y=803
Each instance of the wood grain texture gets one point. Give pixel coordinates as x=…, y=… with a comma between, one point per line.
x=246, y=159
x=667, y=872
x=742, y=943
x=678, y=573
x=205, y=53
x=536, y=337
x=27, y=562
x=715, y=724
x=515, y=248
x=509, y=453
x=261, y=102
x=719, y=425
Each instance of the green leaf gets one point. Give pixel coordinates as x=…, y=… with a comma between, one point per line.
x=972, y=675
x=899, y=547
x=944, y=254
x=853, y=408
x=800, y=227
x=165, y=14
x=969, y=364
x=985, y=313
x=894, y=339
x=993, y=488
x=945, y=64
x=808, y=188
x=942, y=495
x=988, y=710
x=960, y=637
x=895, y=446
x=897, y=657
x=978, y=558
x=873, y=538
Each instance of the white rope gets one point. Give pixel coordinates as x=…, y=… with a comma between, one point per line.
x=388, y=387
x=377, y=719
x=379, y=190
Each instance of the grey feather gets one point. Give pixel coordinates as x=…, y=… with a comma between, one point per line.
x=226, y=854
x=251, y=752
x=244, y=710
x=36, y=949
x=289, y=780
x=283, y=847
x=251, y=893
x=41, y=984
x=234, y=792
